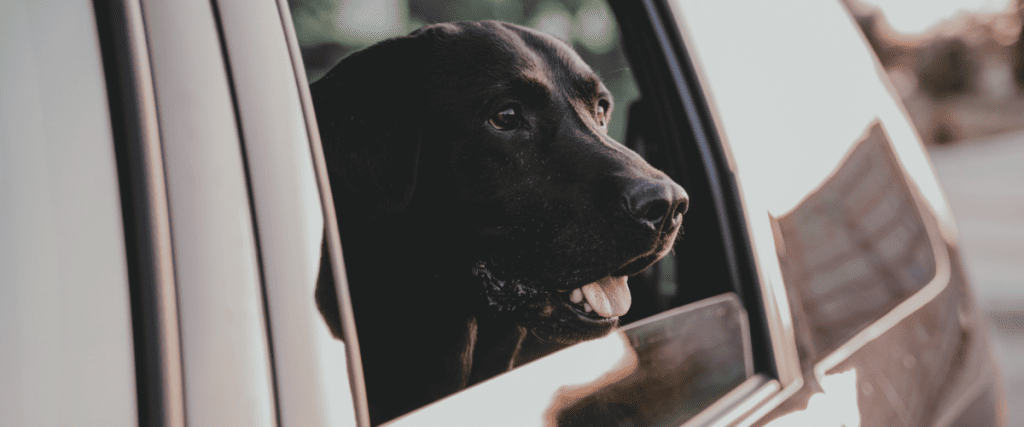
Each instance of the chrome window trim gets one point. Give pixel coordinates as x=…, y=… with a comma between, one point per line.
x=163, y=396
x=737, y=402
x=768, y=405
x=773, y=292
x=353, y=358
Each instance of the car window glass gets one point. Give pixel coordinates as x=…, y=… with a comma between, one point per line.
x=657, y=372
x=66, y=355
x=673, y=359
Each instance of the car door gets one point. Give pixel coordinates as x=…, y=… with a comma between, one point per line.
x=846, y=218
x=221, y=179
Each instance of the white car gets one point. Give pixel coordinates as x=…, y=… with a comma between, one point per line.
x=162, y=191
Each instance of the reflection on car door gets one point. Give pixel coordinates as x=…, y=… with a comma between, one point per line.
x=847, y=218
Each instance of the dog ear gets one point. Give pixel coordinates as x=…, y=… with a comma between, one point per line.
x=368, y=110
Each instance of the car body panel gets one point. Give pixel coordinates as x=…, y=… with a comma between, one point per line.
x=66, y=346
x=147, y=227
x=802, y=96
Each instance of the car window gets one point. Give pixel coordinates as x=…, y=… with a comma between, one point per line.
x=660, y=371
x=66, y=354
x=685, y=340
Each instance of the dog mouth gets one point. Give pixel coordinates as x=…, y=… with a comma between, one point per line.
x=606, y=298
x=564, y=309
x=599, y=303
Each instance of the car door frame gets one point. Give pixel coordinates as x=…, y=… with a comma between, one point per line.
x=139, y=155
x=126, y=35
x=788, y=371
x=651, y=27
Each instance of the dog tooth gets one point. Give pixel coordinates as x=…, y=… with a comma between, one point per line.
x=577, y=296
x=586, y=307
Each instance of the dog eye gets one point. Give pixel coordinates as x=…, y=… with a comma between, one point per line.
x=602, y=113
x=506, y=119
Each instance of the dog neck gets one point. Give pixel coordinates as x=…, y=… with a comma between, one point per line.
x=496, y=348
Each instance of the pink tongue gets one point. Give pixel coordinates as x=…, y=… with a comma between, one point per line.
x=609, y=296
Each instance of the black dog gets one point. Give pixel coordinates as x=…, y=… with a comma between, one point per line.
x=486, y=216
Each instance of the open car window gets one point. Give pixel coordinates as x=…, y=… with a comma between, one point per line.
x=658, y=371
x=686, y=339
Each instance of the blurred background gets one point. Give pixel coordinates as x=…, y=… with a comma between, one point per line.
x=958, y=65
x=330, y=29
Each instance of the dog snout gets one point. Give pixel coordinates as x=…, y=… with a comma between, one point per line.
x=654, y=203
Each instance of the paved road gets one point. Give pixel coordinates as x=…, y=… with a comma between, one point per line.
x=984, y=181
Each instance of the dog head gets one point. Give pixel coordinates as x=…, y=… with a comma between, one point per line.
x=494, y=136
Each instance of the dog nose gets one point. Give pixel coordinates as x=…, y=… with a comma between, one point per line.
x=655, y=202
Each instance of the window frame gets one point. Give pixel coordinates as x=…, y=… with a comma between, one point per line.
x=139, y=157
x=125, y=34
x=652, y=28
x=774, y=343
x=778, y=375
x=278, y=131
x=332, y=236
